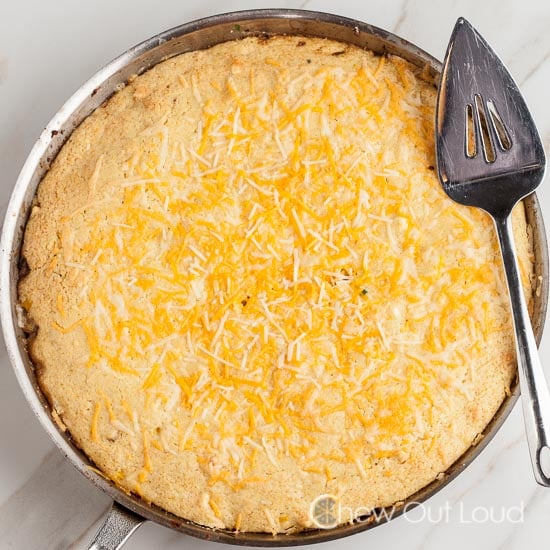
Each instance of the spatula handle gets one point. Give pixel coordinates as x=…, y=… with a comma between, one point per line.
x=534, y=389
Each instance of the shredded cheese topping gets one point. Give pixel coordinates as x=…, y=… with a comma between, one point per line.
x=279, y=285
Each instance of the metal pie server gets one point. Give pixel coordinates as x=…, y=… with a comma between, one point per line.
x=489, y=155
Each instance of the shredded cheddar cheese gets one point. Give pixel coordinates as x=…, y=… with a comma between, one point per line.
x=95, y=417
x=213, y=269
x=276, y=278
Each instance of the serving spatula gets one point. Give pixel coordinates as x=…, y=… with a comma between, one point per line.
x=489, y=155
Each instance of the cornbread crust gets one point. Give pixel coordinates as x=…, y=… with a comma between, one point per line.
x=308, y=414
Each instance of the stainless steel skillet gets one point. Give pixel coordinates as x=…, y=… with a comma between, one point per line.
x=129, y=511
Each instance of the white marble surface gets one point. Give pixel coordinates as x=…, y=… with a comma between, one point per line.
x=47, y=49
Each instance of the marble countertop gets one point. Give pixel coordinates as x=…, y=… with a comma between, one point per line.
x=47, y=49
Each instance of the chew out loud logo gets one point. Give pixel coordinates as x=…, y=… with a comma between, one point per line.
x=326, y=511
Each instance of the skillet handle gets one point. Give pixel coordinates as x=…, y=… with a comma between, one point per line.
x=117, y=528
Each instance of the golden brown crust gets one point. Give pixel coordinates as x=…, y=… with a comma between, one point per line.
x=129, y=431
